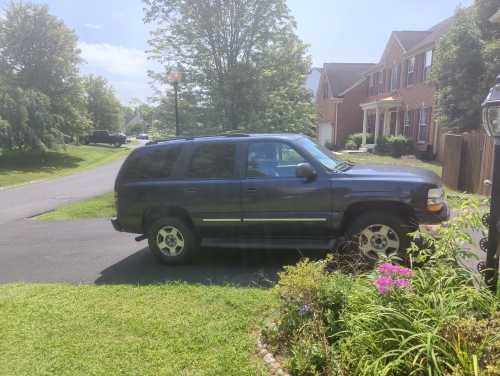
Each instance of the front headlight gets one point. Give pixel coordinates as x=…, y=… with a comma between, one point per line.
x=435, y=200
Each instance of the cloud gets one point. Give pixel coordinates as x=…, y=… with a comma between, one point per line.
x=116, y=60
x=93, y=26
x=128, y=90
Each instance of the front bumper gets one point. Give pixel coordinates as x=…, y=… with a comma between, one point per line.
x=426, y=218
x=116, y=224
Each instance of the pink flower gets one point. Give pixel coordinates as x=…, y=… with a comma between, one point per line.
x=402, y=283
x=382, y=290
x=384, y=281
x=386, y=268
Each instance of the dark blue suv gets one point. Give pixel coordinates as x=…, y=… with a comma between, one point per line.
x=268, y=191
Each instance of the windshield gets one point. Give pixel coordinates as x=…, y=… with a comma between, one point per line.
x=322, y=154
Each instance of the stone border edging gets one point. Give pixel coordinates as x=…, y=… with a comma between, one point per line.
x=269, y=359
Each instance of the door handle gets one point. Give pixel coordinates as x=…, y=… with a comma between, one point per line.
x=252, y=190
x=190, y=190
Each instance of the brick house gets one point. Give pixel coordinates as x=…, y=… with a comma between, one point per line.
x=400, y=97
x=342, y=87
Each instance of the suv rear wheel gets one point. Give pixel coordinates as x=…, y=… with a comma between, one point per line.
x=172, y=241
x=377, y=236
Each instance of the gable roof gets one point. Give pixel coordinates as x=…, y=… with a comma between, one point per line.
x=434, y=34
x=409, y=38
x=342, y=76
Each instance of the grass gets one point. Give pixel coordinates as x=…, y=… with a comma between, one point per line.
x=172, y=329
x=97, y=207
x=364, y=158
x=19, y=168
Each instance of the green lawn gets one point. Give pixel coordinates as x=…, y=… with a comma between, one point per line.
x=380, y=159
x=96, y=207
x=20, y=168
x=171, y=329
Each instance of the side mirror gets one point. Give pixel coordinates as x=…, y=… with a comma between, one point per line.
x=306, y=171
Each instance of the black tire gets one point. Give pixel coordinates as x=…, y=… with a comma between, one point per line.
x=117, y=144
x=167, y=255
x=371, y=223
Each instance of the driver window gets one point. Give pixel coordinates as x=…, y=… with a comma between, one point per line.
x=273, y=160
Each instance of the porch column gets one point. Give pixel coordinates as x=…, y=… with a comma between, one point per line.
x=398, y=110
x=377, y=123
x=387, y=121
x=365, y=126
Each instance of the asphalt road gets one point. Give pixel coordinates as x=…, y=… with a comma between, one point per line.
x=90, y=251
x=29, y=200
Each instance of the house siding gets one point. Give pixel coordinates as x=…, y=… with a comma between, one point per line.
x=350, y=113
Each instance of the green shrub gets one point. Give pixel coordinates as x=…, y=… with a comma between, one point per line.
x=443, y=322
x=351, y=145
x=395, y=146
x=357, y=139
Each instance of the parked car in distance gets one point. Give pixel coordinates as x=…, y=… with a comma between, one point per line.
x=105, y=137
x=268, y=191
x=143, y=136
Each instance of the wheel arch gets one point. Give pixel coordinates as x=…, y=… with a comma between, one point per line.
x=405, y=211
x=153, y=214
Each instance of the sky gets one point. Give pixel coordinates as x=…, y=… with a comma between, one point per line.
x=113, y=37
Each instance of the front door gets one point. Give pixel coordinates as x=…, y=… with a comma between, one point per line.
x=276, y=203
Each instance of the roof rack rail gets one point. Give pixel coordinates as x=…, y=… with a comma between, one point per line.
x=154, y=142
x=235, y=134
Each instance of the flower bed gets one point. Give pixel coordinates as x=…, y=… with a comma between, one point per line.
x=437, y=319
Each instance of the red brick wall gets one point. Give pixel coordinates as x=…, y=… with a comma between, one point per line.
x=350, y=113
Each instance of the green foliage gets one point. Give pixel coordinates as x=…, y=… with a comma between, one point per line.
x=395, y=146
x=354, y=141
x=485, y=9
x=243, y=66
x=446, y=323
x=41, y=92
x=103, y=107
x=457, y=69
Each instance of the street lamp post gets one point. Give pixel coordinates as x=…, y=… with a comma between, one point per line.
x=491, y=122
x=175, y=77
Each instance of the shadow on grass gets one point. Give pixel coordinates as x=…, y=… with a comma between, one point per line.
x=37, y=162
x=255, y=268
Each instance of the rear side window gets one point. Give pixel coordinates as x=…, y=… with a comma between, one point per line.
x=212, y=161
x=153, y=164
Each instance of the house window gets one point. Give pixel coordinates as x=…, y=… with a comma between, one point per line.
x=410, y=76
x=394, y=77
x=406, y=124
x=427, y=64
x=371, y=81
x=423, y=124
x=380, y=82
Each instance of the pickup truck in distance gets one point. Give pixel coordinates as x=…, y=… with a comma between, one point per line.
x=104, y=137
x=281, y=191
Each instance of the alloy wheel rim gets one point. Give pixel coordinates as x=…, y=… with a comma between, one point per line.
x=170, y=241
x=378, y=241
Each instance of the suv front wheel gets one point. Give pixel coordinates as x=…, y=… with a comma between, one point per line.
x=172, y=241
x=378, y=236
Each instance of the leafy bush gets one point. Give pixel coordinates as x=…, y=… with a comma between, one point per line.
x=351, y=145
x=357, y=140
x=395, y=146
x=438, y=319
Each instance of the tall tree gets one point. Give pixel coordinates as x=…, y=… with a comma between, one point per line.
x=103, y=107
x=490, y=33
x=39, y=55
x=223, y=47
x=458, y=68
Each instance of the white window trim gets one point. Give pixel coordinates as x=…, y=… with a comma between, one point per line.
x=411, y=71
x=394, y=77
x=428, y=63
